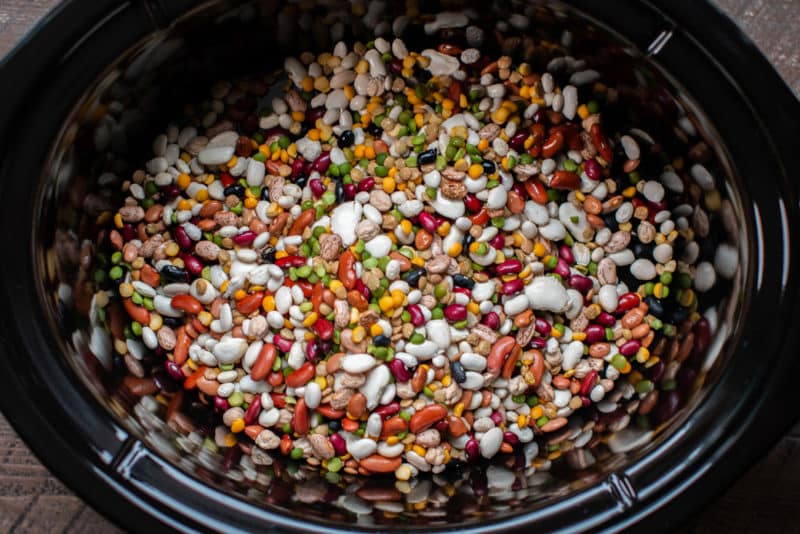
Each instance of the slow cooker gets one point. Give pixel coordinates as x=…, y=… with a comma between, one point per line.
x=82, y=96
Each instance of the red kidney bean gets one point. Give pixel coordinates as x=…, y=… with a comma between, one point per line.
x=322, y=162
x=317, y=189
x=312, y=352
x=193, y=264
x=514, y=286
x=473, y=450
x=509, y=267
x=593, y=169
x=498, y=241
x=629, y=348
x=497, y=418
x=538, y=343
x=174, y=370
x=278, y=399
x=566, y=254
x=606, y=319
x=542, y=326
x=463, y=291
x=455, y=312
x=595, y=333
x=580, y=282
x=245, y=238
x=588, y=383
x=172, y=191
x=428, y=222
x=128, y=232
x=510, y=438
x=388, y=410
x=323, y=328
x=363, y=289
x=350, y=191
x=367, y=184
x=282, y=344
x=702, y=336
x=338, y=443
x=221, y=404
x=253, y=411
x=314, y=114
x=668, y=404
x=290, y=261
x=297, y=167
x=398, y=369
x=627, y=301
x=562, y=268
x=492, y=320
x=231, y=458
x=182, y=238
x=417, y=319
x=518, y=140
x=472, y=203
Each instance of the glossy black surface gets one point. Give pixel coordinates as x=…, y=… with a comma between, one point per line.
x=106, y=459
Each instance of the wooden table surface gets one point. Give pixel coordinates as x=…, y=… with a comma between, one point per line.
x=766, y=498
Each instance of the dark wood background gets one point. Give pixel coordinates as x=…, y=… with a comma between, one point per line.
x=766, y=499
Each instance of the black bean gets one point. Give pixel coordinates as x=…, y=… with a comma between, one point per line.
x=611, y=222
x=334, y=426
x=427, y=157
x=301, y=181
x=463, y=281
x=457, y=370
x=173, y=274
x=234, y=189
x=268, y=255
x=172, y=322
x=374, y=130
x=654, y=306
x=381, y=341
x=642, y=250
x=678, y=315
x=467, y=241
x=339, y=191
x=265, y=194
x=413, y=276
x=346, y=139
x=488, y=167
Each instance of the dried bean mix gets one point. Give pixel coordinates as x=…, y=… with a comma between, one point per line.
x=414, y=259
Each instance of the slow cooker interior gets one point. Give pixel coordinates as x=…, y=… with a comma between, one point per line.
x=109, y=135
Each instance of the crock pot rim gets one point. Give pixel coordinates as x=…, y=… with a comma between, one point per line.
x=60, y=27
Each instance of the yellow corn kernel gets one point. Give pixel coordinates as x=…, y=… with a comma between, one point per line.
x=539, y=250
x=554, y=455
x=386, y=303
x=447, y=104
x=628, y=192
x=444, y=228
x=458, y=409
x=186, y=157
x=392, y=440
x=184, y=205
x=408, y=62
x=369, y=152
x=536, y=412
x=419, y=262
x=192, y=365
x=556, y=334
x=156, y=321
x=359, y=333
x=522, y=420
x=578, y=336
x=309, y=336
x=308, y=84
x=322, y=382
x=298, y=116
x=264, y=149
x=406, y=226
x=334, y=285
x=446, y=380
x=354, y=315
x=310, y=319
x=250, y=203
x=237, y=426
x=232, y=162
x=183, y=180
x=205, y=318
x=375, y=330
x=473, y=247
x=583, y=111
x=389, y=183
x=419, y=450
x=398, y=297
x=118, y=220
x=570, y=373
x=172, y=249
x=483, y=145
x=223, y=287
x=201, y=195
x=349, y=92
x=240, y=294
x=473, y=307
x=230, y=440
x=455, y=250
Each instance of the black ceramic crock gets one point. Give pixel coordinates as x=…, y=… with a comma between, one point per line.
x=56, y=401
